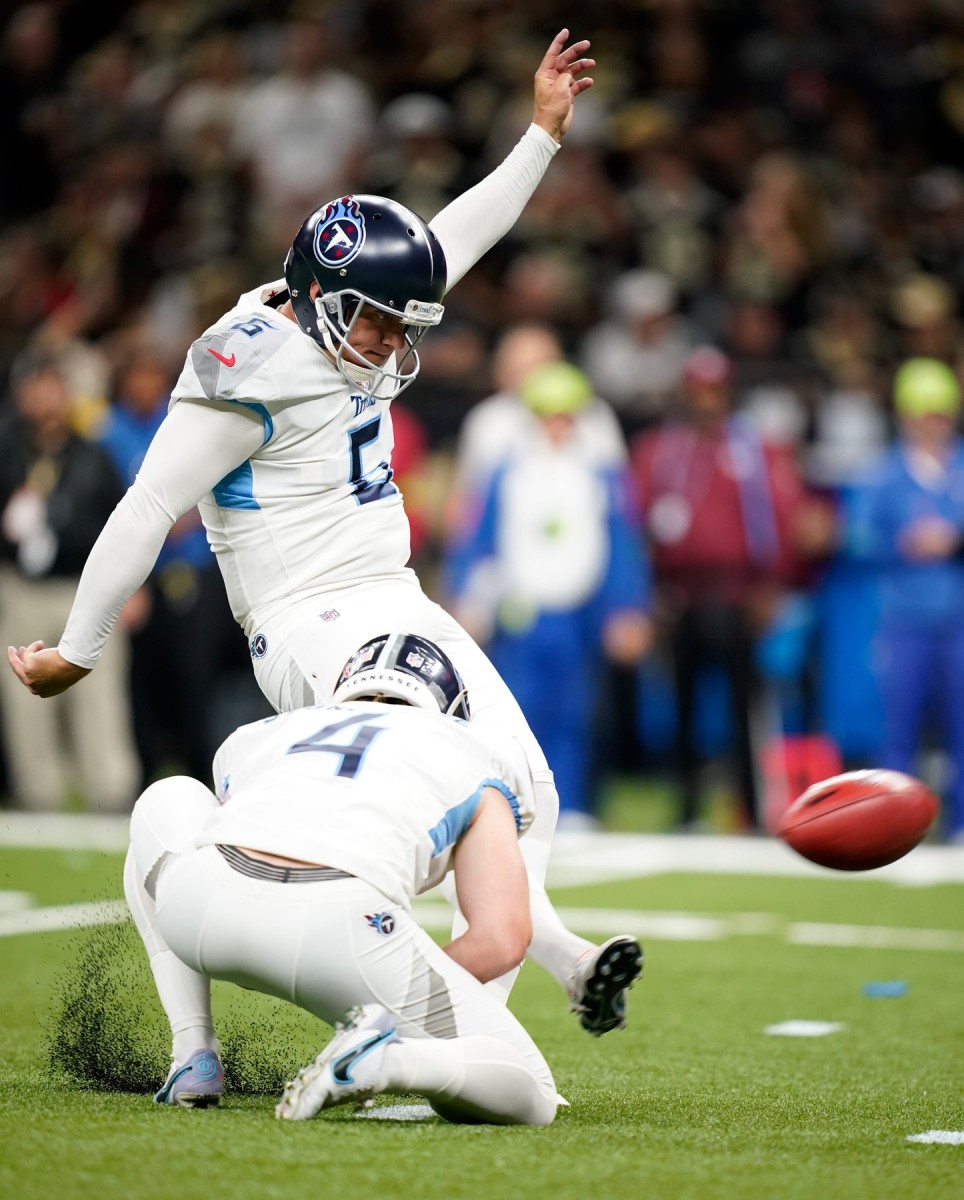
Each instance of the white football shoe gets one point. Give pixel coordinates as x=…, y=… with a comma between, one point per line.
x=349, y=1069
x=599, y=982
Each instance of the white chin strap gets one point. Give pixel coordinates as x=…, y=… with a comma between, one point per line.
x=355, y=373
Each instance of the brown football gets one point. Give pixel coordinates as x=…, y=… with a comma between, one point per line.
x=860, y=820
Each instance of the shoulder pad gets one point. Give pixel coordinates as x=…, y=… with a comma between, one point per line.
x=224, y=358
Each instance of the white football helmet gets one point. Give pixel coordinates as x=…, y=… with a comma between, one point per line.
x=407, y=668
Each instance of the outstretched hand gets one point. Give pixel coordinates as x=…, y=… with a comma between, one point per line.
x=556, y=85
x=44, y=672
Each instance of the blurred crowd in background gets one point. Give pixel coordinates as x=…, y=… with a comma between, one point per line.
x=660, y=460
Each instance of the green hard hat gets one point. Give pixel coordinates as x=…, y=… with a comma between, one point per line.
x=555, y=387
x=926, y=385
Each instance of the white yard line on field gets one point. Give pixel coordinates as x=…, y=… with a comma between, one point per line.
x=63, y=916
x=655, y=926
x=577, y=859
x=710, y=927
x=64, y=831
x=596, y=857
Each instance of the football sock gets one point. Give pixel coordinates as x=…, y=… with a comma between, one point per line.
x=185, y=995
x=553, y=946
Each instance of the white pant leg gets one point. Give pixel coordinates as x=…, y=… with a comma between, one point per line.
x=317, y=945
x=554, y=947
x=164, y=821
x=185, y=995
x=310, y=645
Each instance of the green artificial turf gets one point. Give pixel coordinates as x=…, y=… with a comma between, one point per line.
x=692, y=1100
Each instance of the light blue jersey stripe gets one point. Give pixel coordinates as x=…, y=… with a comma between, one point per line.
x=262, y=413
x=454, y=824
x=457, y=820
x=236, y=489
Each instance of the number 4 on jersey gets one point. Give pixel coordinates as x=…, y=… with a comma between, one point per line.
x=351, y=753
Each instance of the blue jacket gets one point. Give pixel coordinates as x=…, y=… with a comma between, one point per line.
x=126, y=437
x=881, y=507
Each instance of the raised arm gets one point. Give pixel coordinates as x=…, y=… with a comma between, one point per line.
x=477, y=219
x=556, y=85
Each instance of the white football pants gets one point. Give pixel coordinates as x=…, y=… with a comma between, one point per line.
x=301, y=657
x=330, y=946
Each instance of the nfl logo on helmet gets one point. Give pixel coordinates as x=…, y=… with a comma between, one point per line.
x=340, y=234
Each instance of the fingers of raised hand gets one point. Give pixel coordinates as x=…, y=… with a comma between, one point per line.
x=571, y=59
x=582, y=64
x=562, y=58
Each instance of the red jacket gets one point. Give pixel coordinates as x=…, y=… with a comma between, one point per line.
x=718, y=509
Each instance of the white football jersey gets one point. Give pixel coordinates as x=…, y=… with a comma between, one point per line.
x=289, y=464
x=381, y=791
x=315, y=505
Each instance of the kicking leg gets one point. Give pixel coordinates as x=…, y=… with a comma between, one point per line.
x=596, y=978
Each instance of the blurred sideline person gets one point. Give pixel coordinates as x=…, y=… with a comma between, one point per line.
x=719, y=506
x=549, y=572
x=493, y=431
x=56, y=492
x=908, y=518
x=635, y=354
x=297, y=880
x=280, y=430
x=496, y=426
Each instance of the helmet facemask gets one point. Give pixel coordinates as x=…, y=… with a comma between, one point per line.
x=338, y=313
x=358, y=251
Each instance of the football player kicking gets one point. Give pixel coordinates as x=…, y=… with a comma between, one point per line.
x=299, y=884
x=280, y=431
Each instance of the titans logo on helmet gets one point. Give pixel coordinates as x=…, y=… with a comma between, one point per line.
x=340, y=233
x=383, y=923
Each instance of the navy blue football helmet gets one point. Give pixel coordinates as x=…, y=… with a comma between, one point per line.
x=405, y=667
x=366, y=250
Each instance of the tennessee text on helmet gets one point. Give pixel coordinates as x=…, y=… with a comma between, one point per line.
x=406, y=667
x=366, y=250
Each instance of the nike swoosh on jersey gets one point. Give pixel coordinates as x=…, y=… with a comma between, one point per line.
x=341, y=1068
x=228, y=362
